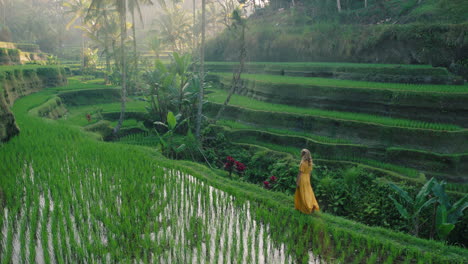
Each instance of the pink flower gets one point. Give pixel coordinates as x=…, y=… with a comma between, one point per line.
x=273, y=178
x=266, y=184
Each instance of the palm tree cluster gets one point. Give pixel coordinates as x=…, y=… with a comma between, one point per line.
x=104, y=22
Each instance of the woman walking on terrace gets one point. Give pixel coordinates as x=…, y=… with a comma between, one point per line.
x=304, y=198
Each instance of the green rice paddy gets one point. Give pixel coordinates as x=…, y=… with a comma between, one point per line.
x=239, y=125
x=218, y=96
x=72, y=199
x=324, y=82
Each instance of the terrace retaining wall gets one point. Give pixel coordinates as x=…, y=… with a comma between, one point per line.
x=388, y=74
x=449, y=167
x=18, y=82
x=448, y=108
x=358, y=132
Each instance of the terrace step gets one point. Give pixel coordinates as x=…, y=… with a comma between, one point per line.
x=371, y=134
x=396, y=73
x=452, y=167
x=456, y=190
x=438, y=104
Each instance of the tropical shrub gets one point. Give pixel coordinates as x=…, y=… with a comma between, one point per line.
x=172, y=88
x=447, y=214
x=411, y=208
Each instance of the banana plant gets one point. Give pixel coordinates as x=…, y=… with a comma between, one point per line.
x=411, y=208
x=161, y=82
x=181, y=64
x=167, y=144
x=447, y=214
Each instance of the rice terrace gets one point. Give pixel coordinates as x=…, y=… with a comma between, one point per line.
x=234, y=131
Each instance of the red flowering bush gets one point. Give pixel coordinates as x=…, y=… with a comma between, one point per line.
x=271, y=183
x=229, y=163
x=240, y=167
x=232, y=164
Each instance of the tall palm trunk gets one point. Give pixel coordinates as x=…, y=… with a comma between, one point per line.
x=237, y=76
x=123, y=36
x=106, y=49
x=108, y=66
x=194, y=40
x=82, y=49
x=135, y=57
x=202, y=73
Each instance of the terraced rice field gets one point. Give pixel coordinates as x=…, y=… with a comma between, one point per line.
x=183, y=220
x=219, y=96
x=325, y=82
x=72, y=199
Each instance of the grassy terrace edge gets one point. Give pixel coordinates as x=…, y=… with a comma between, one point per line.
x=218, y=96
x=333, y=229
x=370, y=134
x=409, y=164
x=347, y=67
x=350, y=84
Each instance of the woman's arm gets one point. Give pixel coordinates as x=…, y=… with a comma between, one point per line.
x=298, y=179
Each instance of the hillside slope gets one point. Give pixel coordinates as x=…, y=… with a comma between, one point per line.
x=433, y=32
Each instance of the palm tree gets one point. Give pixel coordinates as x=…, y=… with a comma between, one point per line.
x=132, y=6
x=202, y=73
x=101, y=29
x=121, y=6
x=175, y=28
x=78, y=8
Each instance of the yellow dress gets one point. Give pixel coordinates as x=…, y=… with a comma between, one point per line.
x=304, y=198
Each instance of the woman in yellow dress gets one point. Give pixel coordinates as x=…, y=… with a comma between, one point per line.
x=304, y=198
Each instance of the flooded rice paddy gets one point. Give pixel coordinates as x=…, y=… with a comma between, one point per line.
x=97, y=218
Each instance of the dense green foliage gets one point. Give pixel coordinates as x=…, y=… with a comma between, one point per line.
x=392, y=11
x=353, y=190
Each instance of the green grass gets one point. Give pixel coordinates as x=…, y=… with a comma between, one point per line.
x=327, y=64
x=323, y=82
x=74, y=83
x=116, y=190
x=219, y=96
x=77, y=115
x=238, y=126
x=26, y=67
x=140, y=139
